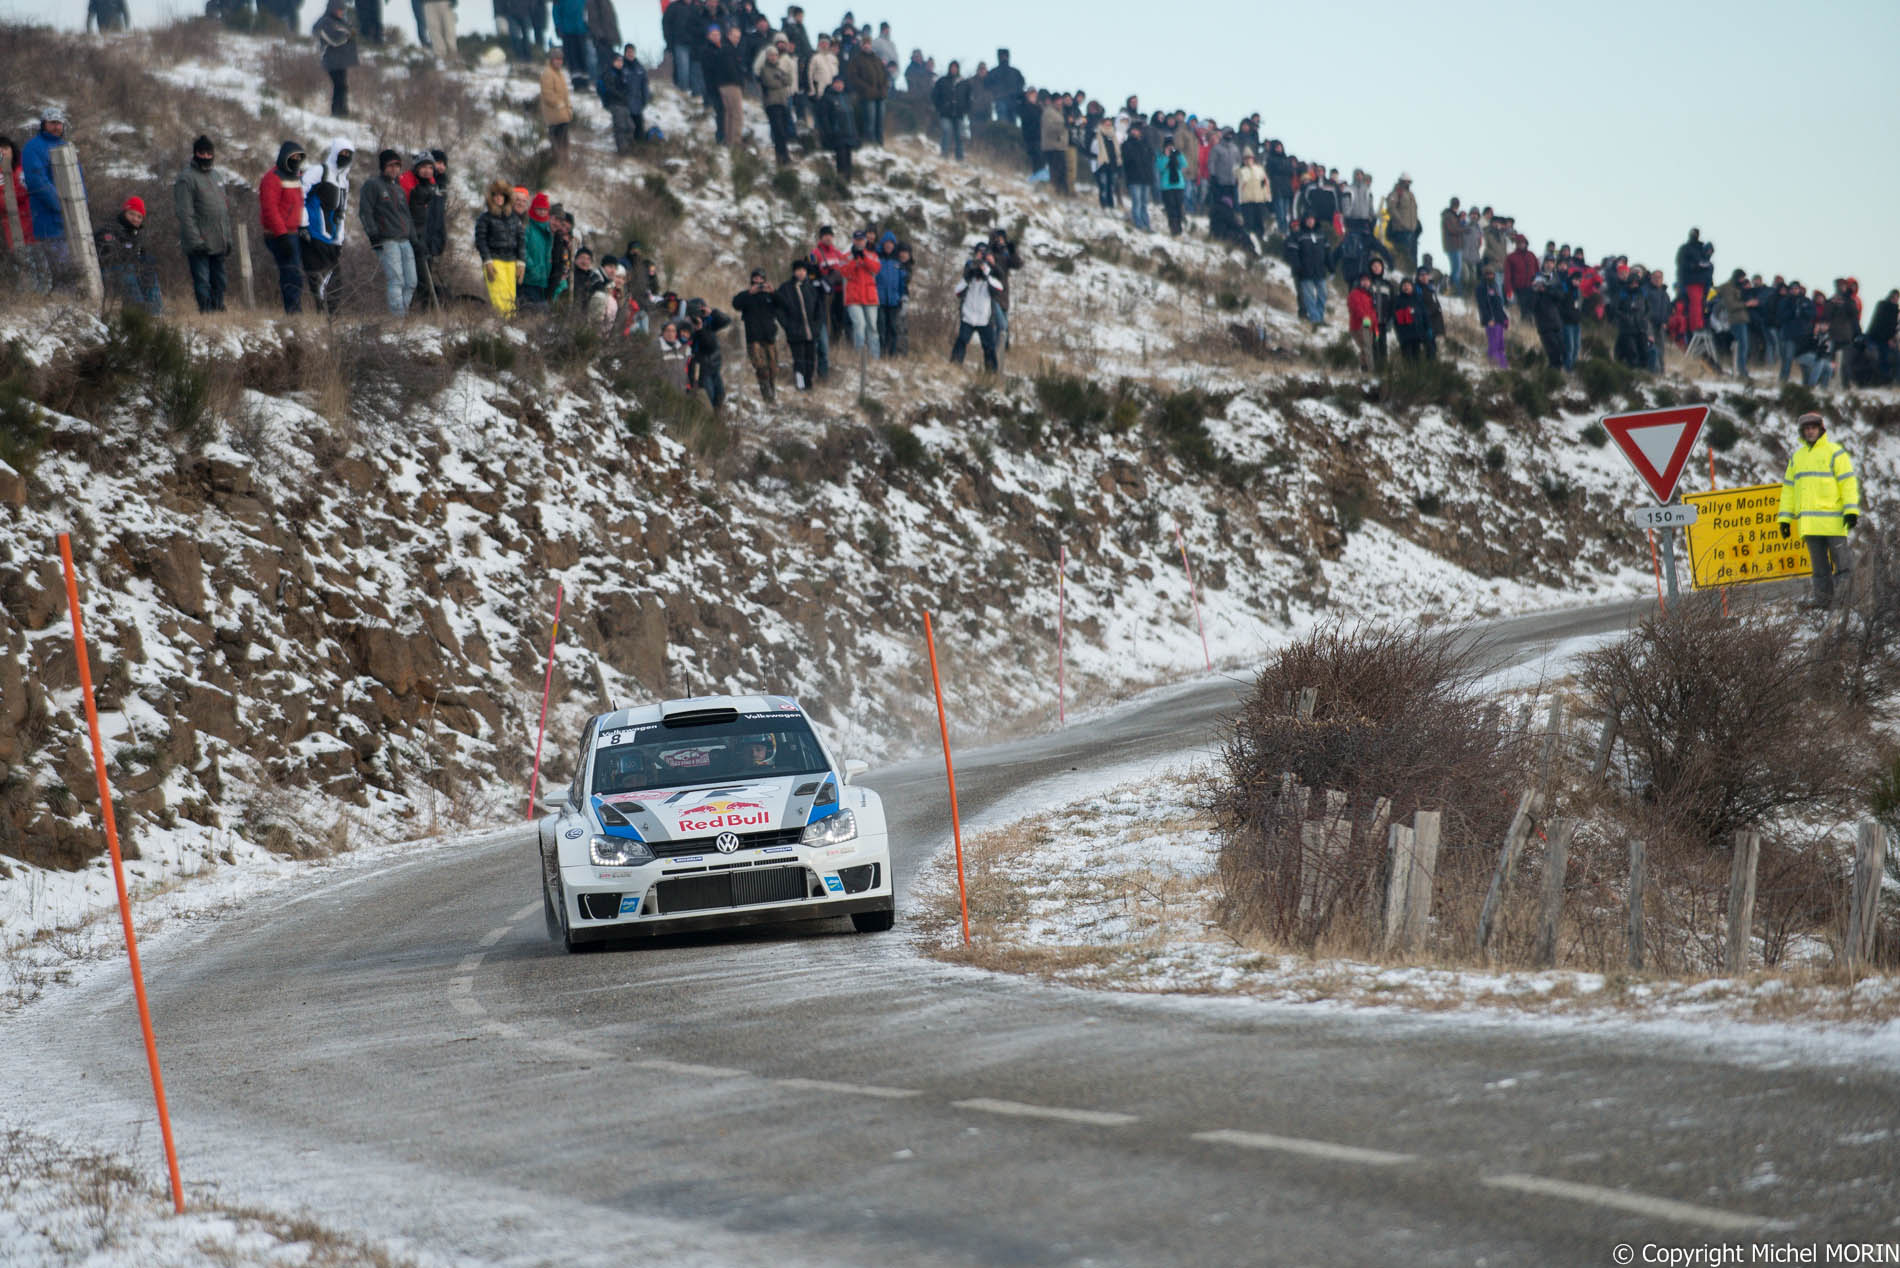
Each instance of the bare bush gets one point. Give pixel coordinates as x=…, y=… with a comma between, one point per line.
x=1730, y=721
x=1398, y=727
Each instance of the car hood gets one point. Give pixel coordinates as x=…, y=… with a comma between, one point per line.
x=745, y=807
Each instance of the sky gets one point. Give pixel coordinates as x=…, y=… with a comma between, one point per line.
x=1781, y=153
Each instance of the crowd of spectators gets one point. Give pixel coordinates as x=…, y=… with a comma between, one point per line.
x=831, y=93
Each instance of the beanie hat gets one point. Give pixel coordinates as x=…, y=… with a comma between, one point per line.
x=386, y=157
x=1816, y=419
x=52, y=114
x=420, y=157
x=439, y=156
x=202, y=145
x=134, y=203
x=538, y=209
x=758, y=275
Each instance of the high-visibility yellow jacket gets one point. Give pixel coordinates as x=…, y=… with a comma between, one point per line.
x=1819, y=489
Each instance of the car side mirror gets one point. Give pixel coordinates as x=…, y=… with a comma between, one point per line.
x=551, y=803
x=854, y=768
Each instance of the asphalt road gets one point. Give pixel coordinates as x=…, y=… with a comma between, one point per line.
x=404, y=1048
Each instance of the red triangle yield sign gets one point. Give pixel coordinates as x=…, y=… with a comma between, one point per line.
x=1657, y=443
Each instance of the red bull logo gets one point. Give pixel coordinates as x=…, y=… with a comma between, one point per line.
x=722, y=815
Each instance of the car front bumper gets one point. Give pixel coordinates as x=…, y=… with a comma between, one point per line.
x=677, y=896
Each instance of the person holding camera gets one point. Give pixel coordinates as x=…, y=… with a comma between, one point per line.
x=978, y=291
x=758, y=310
x=860, y=294
x=706, y=367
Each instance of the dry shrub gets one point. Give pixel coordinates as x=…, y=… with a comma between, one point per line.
x=1730, y=721
x=1397, y=719
x=295, y=72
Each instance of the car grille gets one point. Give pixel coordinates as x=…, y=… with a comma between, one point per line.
x=731, y=889
x=706, y=845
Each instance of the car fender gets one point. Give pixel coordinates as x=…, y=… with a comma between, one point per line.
x=868, y=808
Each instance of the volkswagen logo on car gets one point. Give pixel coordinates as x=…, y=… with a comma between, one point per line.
x=727, y=842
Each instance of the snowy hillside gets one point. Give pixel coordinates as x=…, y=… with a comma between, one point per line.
x=320, y=589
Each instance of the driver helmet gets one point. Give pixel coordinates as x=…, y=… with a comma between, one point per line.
x=626, y=767
x=760, y=750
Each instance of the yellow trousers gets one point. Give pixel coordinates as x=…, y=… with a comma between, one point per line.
x=501, y=286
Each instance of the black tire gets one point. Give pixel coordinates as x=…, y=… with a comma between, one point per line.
x=874, y=921
x=548, y=910
x=557, y=901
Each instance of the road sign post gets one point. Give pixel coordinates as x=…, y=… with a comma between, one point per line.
x=1657, y=444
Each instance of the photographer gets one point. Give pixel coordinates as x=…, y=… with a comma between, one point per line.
x=757, y=307
x=706, y=369
x=979, y=290
x=860, y=294
x=1004, y=260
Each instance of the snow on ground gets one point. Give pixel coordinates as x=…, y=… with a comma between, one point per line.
x=1115, y=887
x=61, y=1207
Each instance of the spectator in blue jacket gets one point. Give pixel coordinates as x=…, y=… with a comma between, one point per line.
x=1171, y=177
x=1794, y=318
x=570, y=23
x=623, y=90
x=893, y=287
x=36, y=171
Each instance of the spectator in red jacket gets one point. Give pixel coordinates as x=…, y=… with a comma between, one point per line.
x=280, y=207
x=860, y=292
x=1362, y=318
x=1520, y=270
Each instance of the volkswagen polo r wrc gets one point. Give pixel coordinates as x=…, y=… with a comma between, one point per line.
x=709, y=812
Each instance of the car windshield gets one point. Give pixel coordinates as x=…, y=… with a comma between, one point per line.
x=749, y=746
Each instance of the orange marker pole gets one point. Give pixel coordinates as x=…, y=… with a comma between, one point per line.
x=1062, y=567
x=950, y=773
x=1180, y=537
x=118, y=875
x=1657, y=565
x=547, y=683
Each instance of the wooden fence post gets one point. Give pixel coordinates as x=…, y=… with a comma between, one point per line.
x=1401, y=846
x=1556, y=860
x=1741, y=898
x=1309, y=698
x=1639, y=876
x=15, y=230
x=1418, y=887
x=1606, y=742
x=241, y=230
x=72, y=204
x=1553, y=738
x=1529, y=807
x=1863, y=907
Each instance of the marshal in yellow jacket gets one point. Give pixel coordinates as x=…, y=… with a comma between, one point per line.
x=1819, y=489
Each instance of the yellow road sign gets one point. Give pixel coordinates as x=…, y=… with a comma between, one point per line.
x=1735, y=539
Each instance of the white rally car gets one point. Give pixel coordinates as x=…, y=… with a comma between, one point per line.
x=708, y=812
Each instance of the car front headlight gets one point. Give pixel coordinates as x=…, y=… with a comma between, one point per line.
x=833, y=830
x=617, y=852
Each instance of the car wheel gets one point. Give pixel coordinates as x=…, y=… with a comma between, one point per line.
x=557, y=908
x=873, y=921
x=548, y=911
